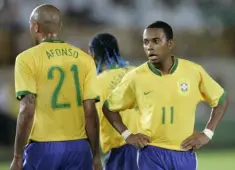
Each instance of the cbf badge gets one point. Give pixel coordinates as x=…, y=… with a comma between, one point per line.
x=183, y=87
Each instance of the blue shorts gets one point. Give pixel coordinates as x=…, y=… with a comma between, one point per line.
x=67, y=155
x=155, y=158
x=122, y=158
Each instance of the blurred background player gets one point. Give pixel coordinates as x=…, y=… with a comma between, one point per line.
x=167, y=91
x=110, y=69
x=54, y=83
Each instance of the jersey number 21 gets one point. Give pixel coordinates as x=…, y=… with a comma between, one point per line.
x=50, y=76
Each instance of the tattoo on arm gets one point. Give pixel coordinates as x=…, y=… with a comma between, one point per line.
x=24, y=123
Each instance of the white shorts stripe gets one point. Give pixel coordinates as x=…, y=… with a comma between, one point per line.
x=138, y=157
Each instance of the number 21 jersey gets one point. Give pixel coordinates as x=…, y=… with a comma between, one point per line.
x=62, y=77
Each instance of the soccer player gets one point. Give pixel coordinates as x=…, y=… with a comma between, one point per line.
x=167, y=90
x=54, y=82
x=110, y=69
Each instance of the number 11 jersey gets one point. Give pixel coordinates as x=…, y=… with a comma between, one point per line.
x=62, y=77
x=167, y=103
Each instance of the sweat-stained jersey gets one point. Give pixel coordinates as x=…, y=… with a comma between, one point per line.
x=62, y=77
x=109, y=137
x=167, y=103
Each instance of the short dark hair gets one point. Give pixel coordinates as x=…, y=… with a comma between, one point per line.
x=166, y=28
x=105, y=47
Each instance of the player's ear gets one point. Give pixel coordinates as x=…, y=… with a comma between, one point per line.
x=170, y=44
x=36, y=27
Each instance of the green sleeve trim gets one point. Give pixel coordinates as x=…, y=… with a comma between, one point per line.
x=106, y=104
x=222, y=98
x=19, y=94
x=97, y=99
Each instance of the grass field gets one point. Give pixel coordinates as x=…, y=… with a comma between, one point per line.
x=213, y=160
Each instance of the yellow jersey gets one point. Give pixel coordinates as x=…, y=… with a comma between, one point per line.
x=167, y=103
x=62, y=77
x=109, y=137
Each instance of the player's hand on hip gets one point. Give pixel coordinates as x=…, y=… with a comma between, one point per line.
x=97, y=165
x=195, y=141
x=138, y=140
x=16, y=164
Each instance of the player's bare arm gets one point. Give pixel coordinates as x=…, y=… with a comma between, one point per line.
x=24, y=123
x=197, y=140
x=92, y=130
x=115, y=119
x=23, y=128
x=217, y=114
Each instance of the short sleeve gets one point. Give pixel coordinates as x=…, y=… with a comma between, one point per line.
x=123, y=96
x=25, y=82
x=210, y=90
x=91, y=89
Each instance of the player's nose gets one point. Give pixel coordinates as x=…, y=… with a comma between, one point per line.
x=150, y=47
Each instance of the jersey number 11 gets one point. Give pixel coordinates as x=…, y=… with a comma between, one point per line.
x=171, y=115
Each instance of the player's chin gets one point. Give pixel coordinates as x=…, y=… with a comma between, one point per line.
x=154, y=61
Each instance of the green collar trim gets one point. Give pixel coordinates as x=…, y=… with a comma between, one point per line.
x=175, y=65
x=53, y=41
x=158, y=72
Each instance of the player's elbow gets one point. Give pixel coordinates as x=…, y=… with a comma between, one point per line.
x=27, y=111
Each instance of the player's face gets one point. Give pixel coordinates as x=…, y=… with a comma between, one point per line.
x=155, y=44
x=33, y=27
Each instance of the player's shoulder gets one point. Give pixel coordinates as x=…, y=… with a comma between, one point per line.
x=189, y=65
x=82, y=54
x=135, y=71
x=107, y=74
x=141, y=69
x=27, y=55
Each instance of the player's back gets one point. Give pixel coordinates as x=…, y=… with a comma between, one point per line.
x=63, y=78
x=110, y=138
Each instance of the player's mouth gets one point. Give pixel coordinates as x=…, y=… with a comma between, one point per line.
x=153, y=57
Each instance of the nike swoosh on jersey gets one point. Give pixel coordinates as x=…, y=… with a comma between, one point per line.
x=146, y=93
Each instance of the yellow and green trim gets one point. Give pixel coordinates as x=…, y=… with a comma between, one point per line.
x=53, y=41
x=222, y=98
x=158, y=72
x=19, y=94
x=106, y=104
x=97, y=99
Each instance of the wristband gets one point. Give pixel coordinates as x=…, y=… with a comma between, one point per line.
x=209, y=133
x=126, y=134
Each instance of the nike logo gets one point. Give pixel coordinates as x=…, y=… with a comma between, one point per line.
x=146, y=93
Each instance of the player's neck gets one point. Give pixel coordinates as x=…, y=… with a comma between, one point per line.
x=166, y=65
x=43, y=38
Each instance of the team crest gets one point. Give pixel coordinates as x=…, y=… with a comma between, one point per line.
x=184, y=87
